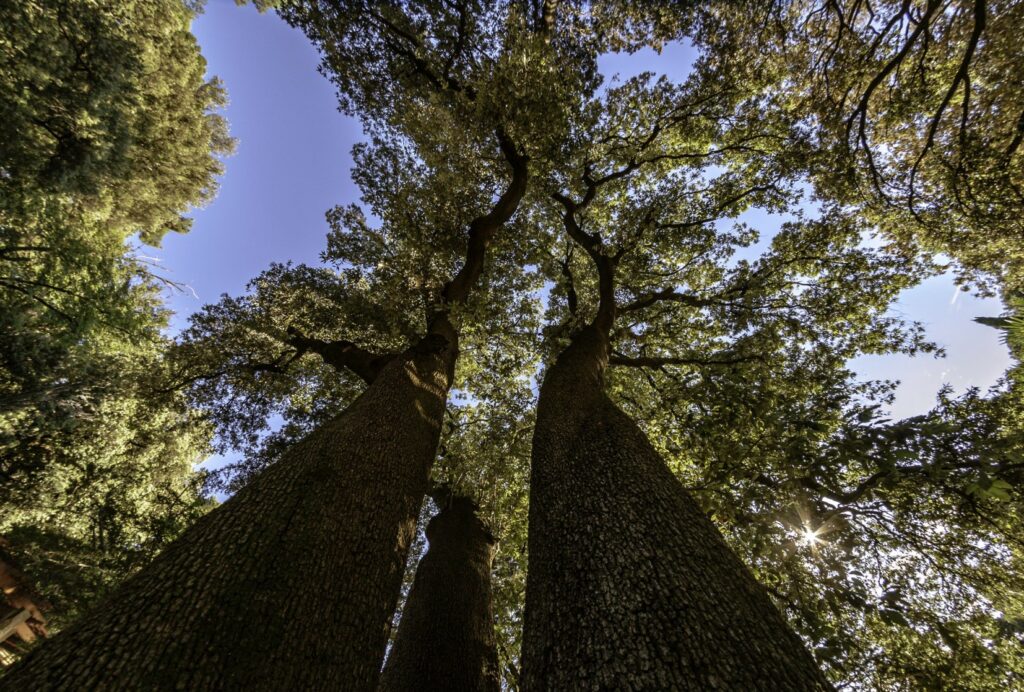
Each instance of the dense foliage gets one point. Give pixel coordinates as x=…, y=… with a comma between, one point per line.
x=109, y=133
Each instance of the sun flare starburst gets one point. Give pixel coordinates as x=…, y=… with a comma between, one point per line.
x=809, y=536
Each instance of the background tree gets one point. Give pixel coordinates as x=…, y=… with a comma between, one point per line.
x=445, y=639
x=485, y=449
x=658, y=166
x=109, y=132
x=86, y=504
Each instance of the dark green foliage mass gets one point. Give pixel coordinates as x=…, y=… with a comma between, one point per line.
x=108, y=132
x=106, y=109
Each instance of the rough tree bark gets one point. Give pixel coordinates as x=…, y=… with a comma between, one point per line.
x=445, y=639
x=630, y=585
x=290, y=583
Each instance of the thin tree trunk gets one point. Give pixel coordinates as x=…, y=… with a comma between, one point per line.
x=289, y=584
x=445, y=639
x=630, y=585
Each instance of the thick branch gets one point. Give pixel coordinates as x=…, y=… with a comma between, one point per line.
x=42, y=301
x=341, y=355
x=659, y=361
x=720, y=209
x=666, y=295
x=962, y=76
x=1018, y=137
x=483, y=228
x=594, y=183
x=278, y=366
x=860, y=113
x=605, y=265
x=547, y=18
x=411, y=47
x=570, y=286
x=460, y=41
x=23, y=248
x=850, y=497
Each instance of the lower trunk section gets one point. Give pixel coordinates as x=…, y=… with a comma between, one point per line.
x=445, y=639
x=291, y=583
x=630, y=585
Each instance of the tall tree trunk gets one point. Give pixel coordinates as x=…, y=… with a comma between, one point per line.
x=289, y=584
x=445, y=640
x=630, y=585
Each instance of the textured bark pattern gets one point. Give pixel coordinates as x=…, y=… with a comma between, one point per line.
x=291, y=583
x=445, y=640
x=630, y=585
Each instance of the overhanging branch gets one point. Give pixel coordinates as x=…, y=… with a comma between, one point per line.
x=660, y=361
x=666, y=295
x=605, y=265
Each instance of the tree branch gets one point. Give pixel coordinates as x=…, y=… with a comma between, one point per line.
x=23, y=248
x=860, y=113
x=483, y=228
x=546, y=25
x=962, y=75
x=605, y=265
x=570, y=285
x=42, y=301
x=666, y=295
x=341, y=355
x=659, y=361
x=279, y=365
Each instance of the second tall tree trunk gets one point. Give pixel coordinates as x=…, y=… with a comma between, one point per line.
x=289, y=584
x=445, y=639
x=630, y=586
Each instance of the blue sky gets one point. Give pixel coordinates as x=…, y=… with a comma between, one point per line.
x=292, y=164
